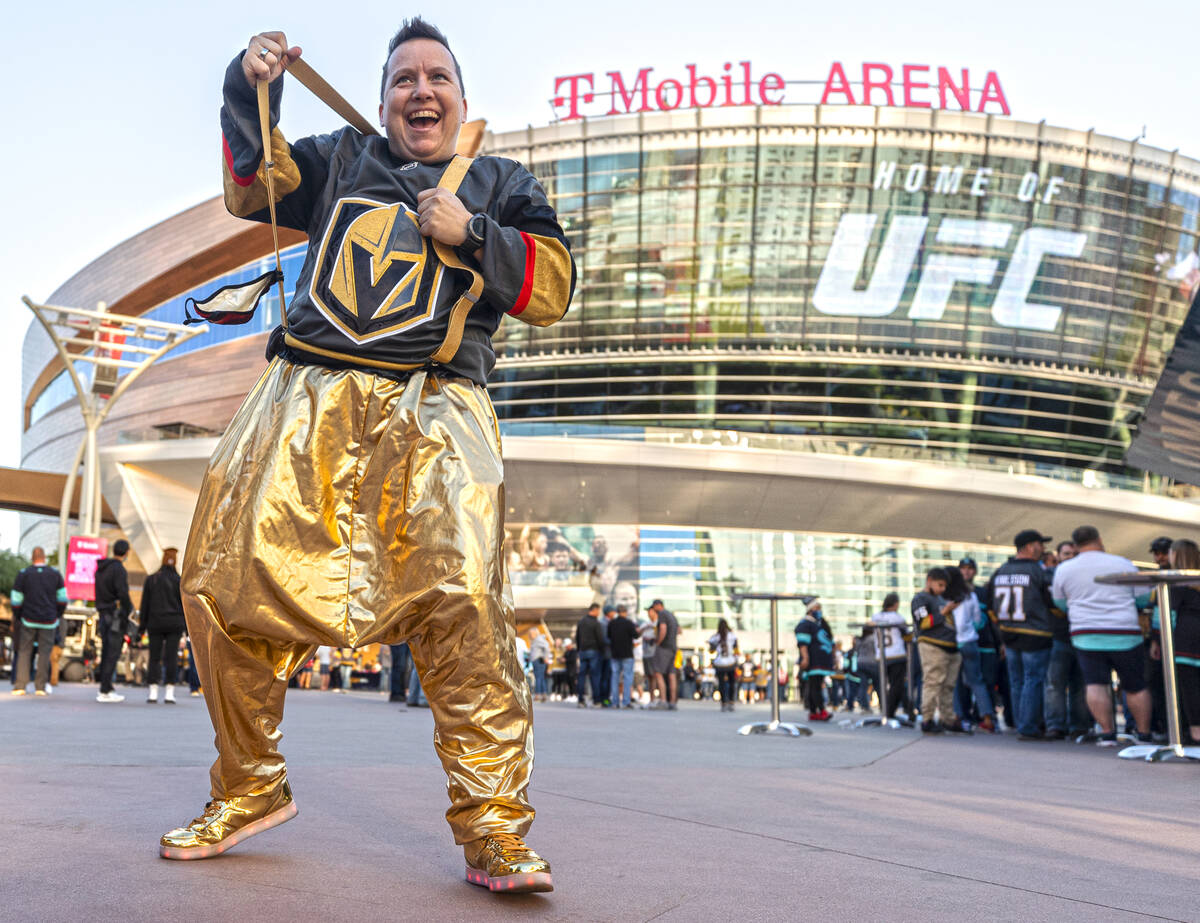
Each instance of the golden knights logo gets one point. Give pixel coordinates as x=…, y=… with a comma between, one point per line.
x=370, y=280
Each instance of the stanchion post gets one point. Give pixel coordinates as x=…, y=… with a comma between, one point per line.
x=775, y=725
x=1167, y=631
x=883, y=720
x=882, y=661
x=775, y=661
x=1162, y=580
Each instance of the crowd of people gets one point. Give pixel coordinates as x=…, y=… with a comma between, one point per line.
x=1059, y=635
x=1033, y=649
x=154, y=642
x=614, y=660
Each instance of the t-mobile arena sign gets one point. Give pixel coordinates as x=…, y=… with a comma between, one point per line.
x=913, y=86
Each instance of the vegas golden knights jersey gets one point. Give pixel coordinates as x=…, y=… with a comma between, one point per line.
x=373, y=291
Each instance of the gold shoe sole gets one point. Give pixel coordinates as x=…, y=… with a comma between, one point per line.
x=274, y=819
x=524, y=883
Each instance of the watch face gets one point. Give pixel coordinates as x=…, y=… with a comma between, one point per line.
x=476, y=227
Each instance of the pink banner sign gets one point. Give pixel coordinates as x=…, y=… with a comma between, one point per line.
x=83, y=554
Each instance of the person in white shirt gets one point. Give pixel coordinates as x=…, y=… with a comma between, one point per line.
x=324, y=656
x=1105, y=631
x=539, y=658
x=724, y=646
x=895, y=653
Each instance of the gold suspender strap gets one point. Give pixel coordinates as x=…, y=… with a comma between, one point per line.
x=329, y=96
x=264, y=123
x=451, y=179
x=332, y=98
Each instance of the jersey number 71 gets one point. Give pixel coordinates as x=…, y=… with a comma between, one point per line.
x=1010, y=603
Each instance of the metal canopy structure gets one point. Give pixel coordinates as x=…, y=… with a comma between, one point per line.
x=95, y=348
x=40, y=492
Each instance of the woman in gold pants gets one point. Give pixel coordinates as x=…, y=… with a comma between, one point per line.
x=346, y=508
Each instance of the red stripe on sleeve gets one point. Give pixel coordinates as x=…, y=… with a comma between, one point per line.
x=240, y=180
x=527, y=285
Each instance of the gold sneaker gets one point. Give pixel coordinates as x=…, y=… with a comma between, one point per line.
x=502, y=862
x=226, y=823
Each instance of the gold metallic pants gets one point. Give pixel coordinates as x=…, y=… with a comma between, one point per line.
x=344, y=508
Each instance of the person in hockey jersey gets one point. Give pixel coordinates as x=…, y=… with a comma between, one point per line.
x=937, y=641
x=357, y=495
x=1018, y=598
x=814, y=638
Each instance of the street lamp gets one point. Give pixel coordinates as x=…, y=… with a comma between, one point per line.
x=104, y=341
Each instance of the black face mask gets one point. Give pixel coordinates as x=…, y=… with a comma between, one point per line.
x=232, y=304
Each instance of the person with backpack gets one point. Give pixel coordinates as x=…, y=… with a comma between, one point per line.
x=114, y=608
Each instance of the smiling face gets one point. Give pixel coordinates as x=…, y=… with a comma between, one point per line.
x=423, y=106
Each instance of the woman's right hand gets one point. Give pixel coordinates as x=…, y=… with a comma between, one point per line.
x=267, y=56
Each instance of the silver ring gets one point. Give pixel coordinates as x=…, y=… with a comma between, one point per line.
x=263, y=52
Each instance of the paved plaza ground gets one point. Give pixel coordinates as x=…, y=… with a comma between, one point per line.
x=644, y=816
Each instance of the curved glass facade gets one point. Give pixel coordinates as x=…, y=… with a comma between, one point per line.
x=935, y=286
x=958, y=283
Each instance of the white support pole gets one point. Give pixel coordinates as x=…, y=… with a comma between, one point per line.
x=64, y=510
x=87, y=501
x=97, y=352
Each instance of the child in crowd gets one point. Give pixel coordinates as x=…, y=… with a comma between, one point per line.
x=937, y=642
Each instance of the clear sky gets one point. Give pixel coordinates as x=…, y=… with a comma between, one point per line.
x=112, y=107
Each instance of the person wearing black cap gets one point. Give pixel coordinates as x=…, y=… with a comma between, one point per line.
x=114, y=608
x=1018, y=598
x=1160, y=548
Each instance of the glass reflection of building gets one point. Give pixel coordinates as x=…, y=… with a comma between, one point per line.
x=696, y=572
x=700, y=237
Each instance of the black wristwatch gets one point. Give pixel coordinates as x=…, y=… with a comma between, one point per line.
x=477, y=230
